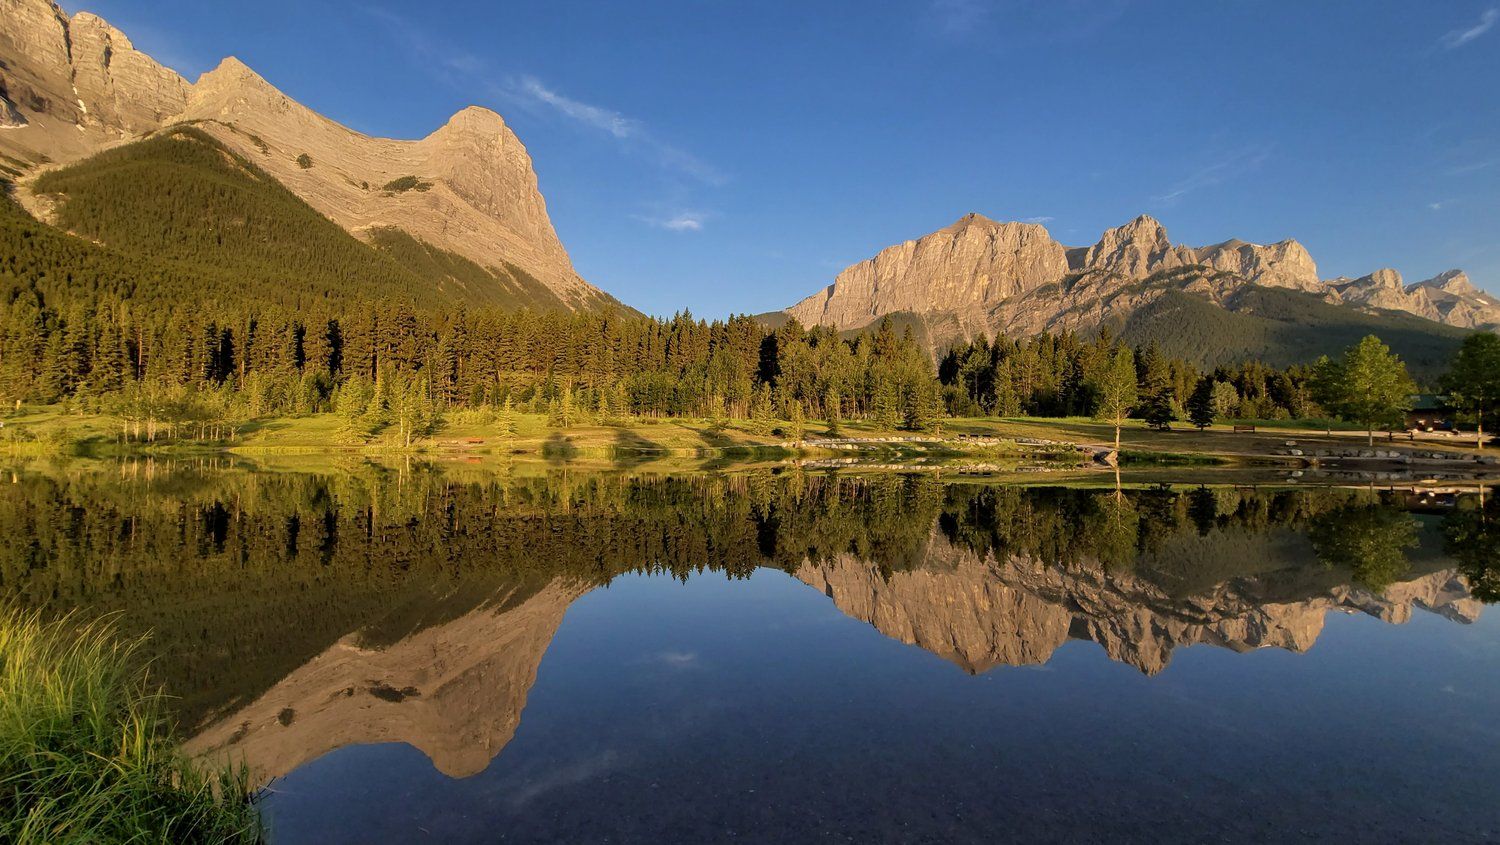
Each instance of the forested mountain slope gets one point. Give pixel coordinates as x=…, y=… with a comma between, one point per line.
x=184, y=219
x=73, y=86
x=1281, y=327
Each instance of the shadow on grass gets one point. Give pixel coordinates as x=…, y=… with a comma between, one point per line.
x=263, y=425
x=631, y=449
x=559, y=447
x=717, y=439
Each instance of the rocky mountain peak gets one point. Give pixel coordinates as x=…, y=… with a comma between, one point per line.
x=972, y=220
x=1455, y=282
x=1284, y=264
x=1446, y=298
x=474, y=119
x=971, y=265
x=72, y=87
x=233, y=86
x=1384, y=278
x=1136, y=249
x=124, y=89
x=36, y=32
x=230, y=71
x=1147, y=225
x=89, y=20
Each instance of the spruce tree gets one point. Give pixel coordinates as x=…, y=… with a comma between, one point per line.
x=1159, y=411
x=887, y=406
x=1200, y=405
x=760, y=410
x=507, y=421
x=833, y=413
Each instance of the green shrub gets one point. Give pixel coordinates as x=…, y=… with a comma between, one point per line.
x=406, y=183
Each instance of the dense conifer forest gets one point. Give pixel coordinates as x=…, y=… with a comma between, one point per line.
x=196, y=293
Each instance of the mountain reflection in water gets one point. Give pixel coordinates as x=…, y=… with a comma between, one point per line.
x=293, y=614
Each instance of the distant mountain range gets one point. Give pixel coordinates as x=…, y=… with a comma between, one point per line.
x=1226, y=301
x=73, y=87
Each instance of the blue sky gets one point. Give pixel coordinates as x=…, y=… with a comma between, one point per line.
x=732, y=157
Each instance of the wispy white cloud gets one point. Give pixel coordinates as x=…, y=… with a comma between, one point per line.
x=678, y=659
x=469, y=72
x=1039, y=220
x=530, y=91
x=684, y=221
x=568, y=774
x=1459, y=37
x=1231, y=165
x=1436, y=206
x=598, y=117
x=1473, y=167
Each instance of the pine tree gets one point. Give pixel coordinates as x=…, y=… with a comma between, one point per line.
x=1160, y=411
x=921, y=406
x=351, y=402
x=833, y=412
x=886, y=401
x=798, y=422
x=760, y=410
x=376, y=415
x=507, y=421
x=1200, y=405
x=561, y=412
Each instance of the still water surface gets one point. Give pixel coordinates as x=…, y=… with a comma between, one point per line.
x=782, y=656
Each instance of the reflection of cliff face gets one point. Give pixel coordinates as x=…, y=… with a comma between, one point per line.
x=454, y=690
x=985, y=612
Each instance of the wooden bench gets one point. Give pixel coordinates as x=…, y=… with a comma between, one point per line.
x=1240, y=428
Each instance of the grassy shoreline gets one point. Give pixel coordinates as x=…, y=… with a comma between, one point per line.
x=53, y=430
x=86, y=752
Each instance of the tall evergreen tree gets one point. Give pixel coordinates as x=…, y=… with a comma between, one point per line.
x=1200, y=405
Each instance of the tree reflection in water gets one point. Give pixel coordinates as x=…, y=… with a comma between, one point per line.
x=248, y=579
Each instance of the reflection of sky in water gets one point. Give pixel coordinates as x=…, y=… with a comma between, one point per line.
x=757, y=710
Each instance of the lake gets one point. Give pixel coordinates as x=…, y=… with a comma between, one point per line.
x=541, y=653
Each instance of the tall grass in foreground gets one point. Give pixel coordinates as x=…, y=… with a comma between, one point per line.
x=86, y=751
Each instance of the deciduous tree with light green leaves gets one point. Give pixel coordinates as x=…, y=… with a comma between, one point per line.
x=1226, y=400
x=1473, y=382
x=1367, y=384
x=1115, y=387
